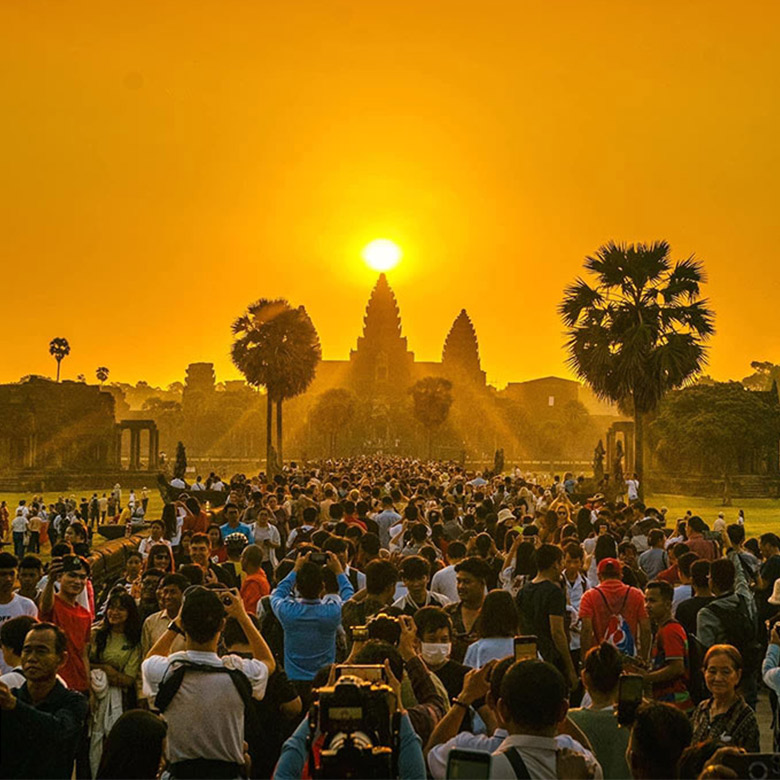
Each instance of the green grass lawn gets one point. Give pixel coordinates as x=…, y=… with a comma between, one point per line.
x=761, y=514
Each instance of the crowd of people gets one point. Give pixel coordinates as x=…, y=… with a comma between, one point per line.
x=389, y=618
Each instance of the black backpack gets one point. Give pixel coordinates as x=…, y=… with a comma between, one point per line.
x=741, y=631
x=169, y=687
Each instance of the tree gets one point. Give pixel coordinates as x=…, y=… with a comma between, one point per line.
x=59, y=348
x=102, y=375
x=276, y=347
x=334, y=411
x=639, y=329
x=180, y=467
x=716, y=427
x=432, y=397
x=764, y=374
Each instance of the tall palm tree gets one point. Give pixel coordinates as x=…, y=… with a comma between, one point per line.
x=59, y=348
x=276, y=347
x=102, y=374
x=638, y=329
x=432, y=398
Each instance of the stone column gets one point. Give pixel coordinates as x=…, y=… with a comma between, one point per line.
x=135, y=449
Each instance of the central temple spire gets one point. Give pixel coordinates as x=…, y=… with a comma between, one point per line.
x=382, y=319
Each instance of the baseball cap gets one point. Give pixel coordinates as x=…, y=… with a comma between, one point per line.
x=610, y=566
x=74, y=563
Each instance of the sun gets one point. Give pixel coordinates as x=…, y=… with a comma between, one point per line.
x=382, y=254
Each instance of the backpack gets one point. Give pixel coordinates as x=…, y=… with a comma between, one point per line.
x=272, y=630
x=169, y=687
x=618, y=632
x=741, y=631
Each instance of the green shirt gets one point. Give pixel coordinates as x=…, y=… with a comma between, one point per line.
x=609, y=741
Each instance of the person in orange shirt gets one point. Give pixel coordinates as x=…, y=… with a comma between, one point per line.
x=255, y=583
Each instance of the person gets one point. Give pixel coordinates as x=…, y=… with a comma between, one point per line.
x=268, y=540
x=76, y=535
x=156, y=531
x=541, y=606
x=11, y=604
x=310, y=622
x=41, y=722
x=600, y=674
x=684, y=590
x=770, y=667
x=415, y=571
x=171, y=591
x=12, y=635
x=444, y=581
x=688, y=610
x=531, y=706
x=669, y=675
x=658, y=738
x=130, y=579
x=576, y=584
x=255, y=585
x=495, y=628
x=34, y=528
x=381, y=578
x=19, y=527
x=235, y=545
x=769, y=544
x=160, y=557
x=200, y=552
x=30, y=572
x=471, y=576
x=147, y=599
x=103, y=507
x=232, y=525
x=205, y=710
x=703, y=547
x=133, y=748
x=64, y=611
x=654, y=560
x=726, y=716
x=385, y=520
x=615, y=612
x=632, y=489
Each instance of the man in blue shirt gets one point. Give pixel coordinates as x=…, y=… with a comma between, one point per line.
x=232, y=526
x=385, y=520
x=310, y=621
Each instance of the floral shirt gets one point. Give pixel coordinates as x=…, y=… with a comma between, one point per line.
x=737, y=727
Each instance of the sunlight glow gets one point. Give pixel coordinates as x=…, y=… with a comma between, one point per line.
x=382, y=254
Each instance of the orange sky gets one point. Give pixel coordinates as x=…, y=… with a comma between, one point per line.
x=165, y=163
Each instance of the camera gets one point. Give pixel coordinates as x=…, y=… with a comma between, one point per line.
x=384, y=627
x=359, y=724
x=320, y=558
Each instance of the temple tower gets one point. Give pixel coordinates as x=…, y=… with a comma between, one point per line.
x=460, y=356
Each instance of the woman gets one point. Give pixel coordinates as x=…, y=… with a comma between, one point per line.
x=134, y=747
x=519, y=565
x=600, y=674
x=725, y=716
x=160, y=557
x=218, y=551
x=496, y=628
x=76, y=536
x=182, y=554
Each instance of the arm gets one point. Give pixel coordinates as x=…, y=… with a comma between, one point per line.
x=674, y=669
x=163, y=645
x=47, y=597
x=770, y=669
x=706, y=627
x=741, y=586
x=645, y=640
x=294, y=755
x=586, y=635
x=52, y=729
x=561, y=641
x=260, y=649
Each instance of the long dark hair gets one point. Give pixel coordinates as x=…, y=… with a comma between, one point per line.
x=121, y=598
x=133, y=747
x=159, y=549
x=525, y=562
x=498, y=616
x=169, y=520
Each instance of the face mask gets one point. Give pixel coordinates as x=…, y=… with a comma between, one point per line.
x=436, y=654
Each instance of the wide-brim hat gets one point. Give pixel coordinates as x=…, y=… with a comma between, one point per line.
x=505, y=514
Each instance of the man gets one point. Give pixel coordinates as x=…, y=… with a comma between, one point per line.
x=669, y=657
x=12, y=604
x=147, y=599
x=615, y=613
x=385, y=519
x=19, y=526
x=198, y=485
x=471, y=575
x=64, y=611
x=12, y=635
x=658, y=737
x=255, y=584
x=444, y=581
x=200, y=552
x=41, y=723
x=235, y=544
x=103, y=507
x=130, y=579
x=576, y=584
x=415, y=571
x=231, y=525
x=769, y=544
x=684, y=590
x=172, y=590
x=156, y=531
x=381, y=578
x=541, y=607
x=632, y=489
x=310, y=622
x=654, y=560
x=340, y=548
x=531, y=706
x=704, y=548
x=203, y=697
x=688, y=610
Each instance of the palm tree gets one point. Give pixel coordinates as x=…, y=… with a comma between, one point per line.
x=432, y=398
x=638, y=330
x=102, y=374
x=59, y=348
x=276, y=347
x=334, y=410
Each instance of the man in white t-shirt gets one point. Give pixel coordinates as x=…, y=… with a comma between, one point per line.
x=11, y=604
x=444, y=581
x=205, y=709
x=632, y=489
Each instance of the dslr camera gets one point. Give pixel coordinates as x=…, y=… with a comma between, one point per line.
x=359, y=723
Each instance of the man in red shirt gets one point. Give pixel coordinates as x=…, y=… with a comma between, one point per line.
x=255, y=583
x=704, y=548
x=63, y=610
x=612, y=610
x=670, y=672
x=672, y=574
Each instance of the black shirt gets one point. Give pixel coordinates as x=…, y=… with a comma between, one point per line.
x=536, y=602
x=688, y=609
x=40, y=740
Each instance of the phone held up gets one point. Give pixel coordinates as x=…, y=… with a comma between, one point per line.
x=468, y=765
x=525, y=647
x=630, y=691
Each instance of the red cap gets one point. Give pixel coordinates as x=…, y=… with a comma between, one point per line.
x=610, y=566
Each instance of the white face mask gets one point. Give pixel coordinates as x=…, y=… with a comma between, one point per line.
x=436, y=654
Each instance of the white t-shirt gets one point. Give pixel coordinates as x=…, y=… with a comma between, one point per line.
x=444, y=582
x=271, y=532
x=206, y=716
x=632, y=486
x=18, y=605
x=19, y=524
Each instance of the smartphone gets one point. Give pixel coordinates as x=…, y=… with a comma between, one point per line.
x=368, y=672
x=630, y=691
x=320, y=558
x=468, y=764
x=525, y=647
x=360, y=633
x=754, y=764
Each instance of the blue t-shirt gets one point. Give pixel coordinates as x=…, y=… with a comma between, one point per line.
x=489, y=649
x=225, y=530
